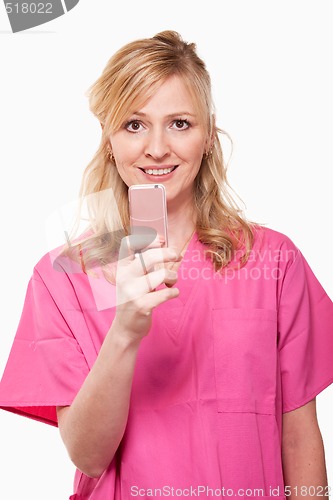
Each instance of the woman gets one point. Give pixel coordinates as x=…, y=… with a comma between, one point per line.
x=199, y=375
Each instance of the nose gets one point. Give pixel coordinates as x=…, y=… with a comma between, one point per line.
x=157, y=145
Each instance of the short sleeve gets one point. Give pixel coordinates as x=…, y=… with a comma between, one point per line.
x=305, y=336
x=46, y=366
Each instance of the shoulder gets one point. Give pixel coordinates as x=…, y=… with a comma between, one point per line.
x=272, y=249
x=277, y=250
x=265, y=236
x=267, y=239
x=56, y=265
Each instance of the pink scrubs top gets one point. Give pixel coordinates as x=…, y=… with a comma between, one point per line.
x=220, y=365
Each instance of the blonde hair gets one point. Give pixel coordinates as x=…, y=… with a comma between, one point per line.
x=129, y=79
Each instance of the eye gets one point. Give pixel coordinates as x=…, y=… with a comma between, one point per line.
x=180, y=124
x=133, y=126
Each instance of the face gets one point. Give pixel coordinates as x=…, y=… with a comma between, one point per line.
x=163, y=142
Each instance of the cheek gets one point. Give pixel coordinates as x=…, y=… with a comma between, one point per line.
x=193, y=148
x=128, y=153
x=122, y=143
x=194, y=155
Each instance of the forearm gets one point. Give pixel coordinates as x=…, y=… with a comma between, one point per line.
x=304, y=467
x=94, y=424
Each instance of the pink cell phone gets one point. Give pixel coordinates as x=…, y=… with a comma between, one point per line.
x=148, y=212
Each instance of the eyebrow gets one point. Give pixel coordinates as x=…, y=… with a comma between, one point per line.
x=171, y=115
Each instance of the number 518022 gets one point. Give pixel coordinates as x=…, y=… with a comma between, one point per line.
x=28, y=8
x=303, y=491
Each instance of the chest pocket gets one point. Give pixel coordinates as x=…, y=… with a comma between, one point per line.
x=245, y=357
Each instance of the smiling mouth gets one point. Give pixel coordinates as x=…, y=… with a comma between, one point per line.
x=158, y=171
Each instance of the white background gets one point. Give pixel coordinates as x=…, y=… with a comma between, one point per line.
x=271, y=67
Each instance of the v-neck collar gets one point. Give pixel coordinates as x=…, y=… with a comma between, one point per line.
x=173, y=313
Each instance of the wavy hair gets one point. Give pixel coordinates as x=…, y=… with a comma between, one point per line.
x=130, y=78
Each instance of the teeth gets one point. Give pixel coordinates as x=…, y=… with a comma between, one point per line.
x=159, y=171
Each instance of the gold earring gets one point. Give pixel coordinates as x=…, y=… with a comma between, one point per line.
x=110, y=155
x=208, y=154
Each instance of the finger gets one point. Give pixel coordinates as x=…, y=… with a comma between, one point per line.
x=138, y=255
x=132, y=244
x=171, y=279
x=156, y=278
x=129, y=289
x=154, y=299
x=144, y=262
x=125, y=250
x=153, y=256
x=147, y=304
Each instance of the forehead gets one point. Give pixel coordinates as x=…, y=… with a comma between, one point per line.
x=171, y=97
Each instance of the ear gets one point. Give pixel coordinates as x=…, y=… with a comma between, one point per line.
x=211, y=138
x=210, y=143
